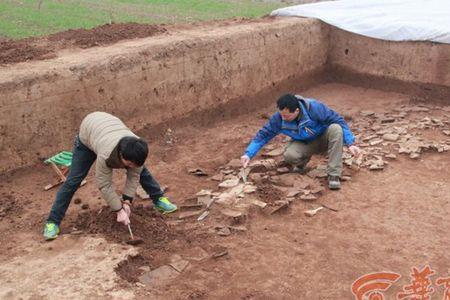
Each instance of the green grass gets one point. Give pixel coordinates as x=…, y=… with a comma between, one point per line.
x=20, y=19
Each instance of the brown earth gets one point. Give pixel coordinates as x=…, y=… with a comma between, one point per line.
x=391, y=220
x=46, y=47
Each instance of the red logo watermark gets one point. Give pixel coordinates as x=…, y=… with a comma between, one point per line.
x=371, y=286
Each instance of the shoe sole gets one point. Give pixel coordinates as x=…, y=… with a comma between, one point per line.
x=164, y=212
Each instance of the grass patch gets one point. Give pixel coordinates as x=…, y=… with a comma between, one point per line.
x=26, y=18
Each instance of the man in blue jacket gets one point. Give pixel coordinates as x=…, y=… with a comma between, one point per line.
x=314, y=128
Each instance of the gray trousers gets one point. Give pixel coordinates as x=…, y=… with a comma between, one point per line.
x=298, y=153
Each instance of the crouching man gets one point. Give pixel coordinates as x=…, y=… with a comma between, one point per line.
x=314, y=128
x=104, y=139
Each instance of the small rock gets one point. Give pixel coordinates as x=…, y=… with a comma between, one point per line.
x=217, y=177
x=197, y=172
x=392, y=137
x=179, y=265
x=414, y=155
x=158, y=276
x=366, y=113
x=387, y=120
x=229, y=183
x=224, y=231
x=308, y=197
x=391, y=156
x=258, y=203
x=189, y=214
x=234, y=163
x=283, y=170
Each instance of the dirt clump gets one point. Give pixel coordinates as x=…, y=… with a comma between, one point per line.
x=268, y=193
x=146, y=224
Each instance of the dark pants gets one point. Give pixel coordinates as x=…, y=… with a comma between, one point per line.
x=82, y=160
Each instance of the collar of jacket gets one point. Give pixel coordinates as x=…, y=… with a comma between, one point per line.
x=114, y=161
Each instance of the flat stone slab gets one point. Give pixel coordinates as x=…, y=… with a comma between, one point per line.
x=158, y=276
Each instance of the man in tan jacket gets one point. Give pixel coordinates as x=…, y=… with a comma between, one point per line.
x=105, y=139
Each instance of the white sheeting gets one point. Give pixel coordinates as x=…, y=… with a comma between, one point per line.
x=394, y=20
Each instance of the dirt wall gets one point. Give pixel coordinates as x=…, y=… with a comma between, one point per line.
x=416, y=67
x=149, y=81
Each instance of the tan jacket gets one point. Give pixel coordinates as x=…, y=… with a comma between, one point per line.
x=101, y=132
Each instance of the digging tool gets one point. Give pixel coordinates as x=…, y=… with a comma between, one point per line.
x=133, y=241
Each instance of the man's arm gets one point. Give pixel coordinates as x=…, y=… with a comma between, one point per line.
x=103, y=175
x=133, y=175
x=264, y=135
x=323, y=113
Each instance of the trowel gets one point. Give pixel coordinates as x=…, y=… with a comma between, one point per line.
x=133, y=241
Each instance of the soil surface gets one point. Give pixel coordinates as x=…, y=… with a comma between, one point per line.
x=388, y=220
x=46, y=47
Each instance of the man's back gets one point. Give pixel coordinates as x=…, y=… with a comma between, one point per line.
x=101, y=132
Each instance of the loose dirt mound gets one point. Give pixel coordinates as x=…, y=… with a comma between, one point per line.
x=19, y=51
x=145, y=223
x=9, y=206
x=12, y=51
x=106, y=34
x=129, y=269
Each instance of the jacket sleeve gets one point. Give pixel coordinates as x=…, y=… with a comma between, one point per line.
x=264, y=135
x=323, y=113
x=103, y=175
x=133, y=175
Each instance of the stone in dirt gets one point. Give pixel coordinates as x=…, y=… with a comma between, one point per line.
x=229, y=183
x=414, y=155
x=446, y=132
x=293, y=192
x=255, y=177
x=283, y=170
x=280, y=205
x=179, y=265
x=234, y=163
x=387, y=120
x=189, y=214
x=308, y=197
x=275, y=152
x=197, y=172
x=258, y=203
x=204, y=200
x=217, y=177
x=312, y=212
x=391, y=156
x=224, y=231
x=158, y=276
x=375, y=142
x=231, y=213
x=196, y=254
x=392, y=137
x=366, y=113
x=238, y=228
x=248, y=189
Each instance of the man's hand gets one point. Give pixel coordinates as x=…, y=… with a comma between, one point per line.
x=245, y=160
x=354, y=150
x=122, y=216
x=126, y=207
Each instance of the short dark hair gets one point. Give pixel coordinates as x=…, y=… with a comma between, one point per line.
x=288, y=101
x=133, y=149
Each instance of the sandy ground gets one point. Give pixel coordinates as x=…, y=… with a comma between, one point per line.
x=390, y=220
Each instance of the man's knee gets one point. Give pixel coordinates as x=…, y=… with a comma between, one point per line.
x=335, y=130
x=293, y=156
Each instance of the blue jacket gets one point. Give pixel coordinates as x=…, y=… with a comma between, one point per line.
x=315, y=119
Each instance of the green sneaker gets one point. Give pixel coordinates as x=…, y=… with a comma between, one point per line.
x=164, y=205
x=51, y=231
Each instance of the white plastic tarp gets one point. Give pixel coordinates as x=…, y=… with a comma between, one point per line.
x=394, y=20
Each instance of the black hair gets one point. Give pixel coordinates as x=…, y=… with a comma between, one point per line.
x=288, y=101
x=133, y=149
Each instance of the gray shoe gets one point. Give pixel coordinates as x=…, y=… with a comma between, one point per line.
x=334, y=183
